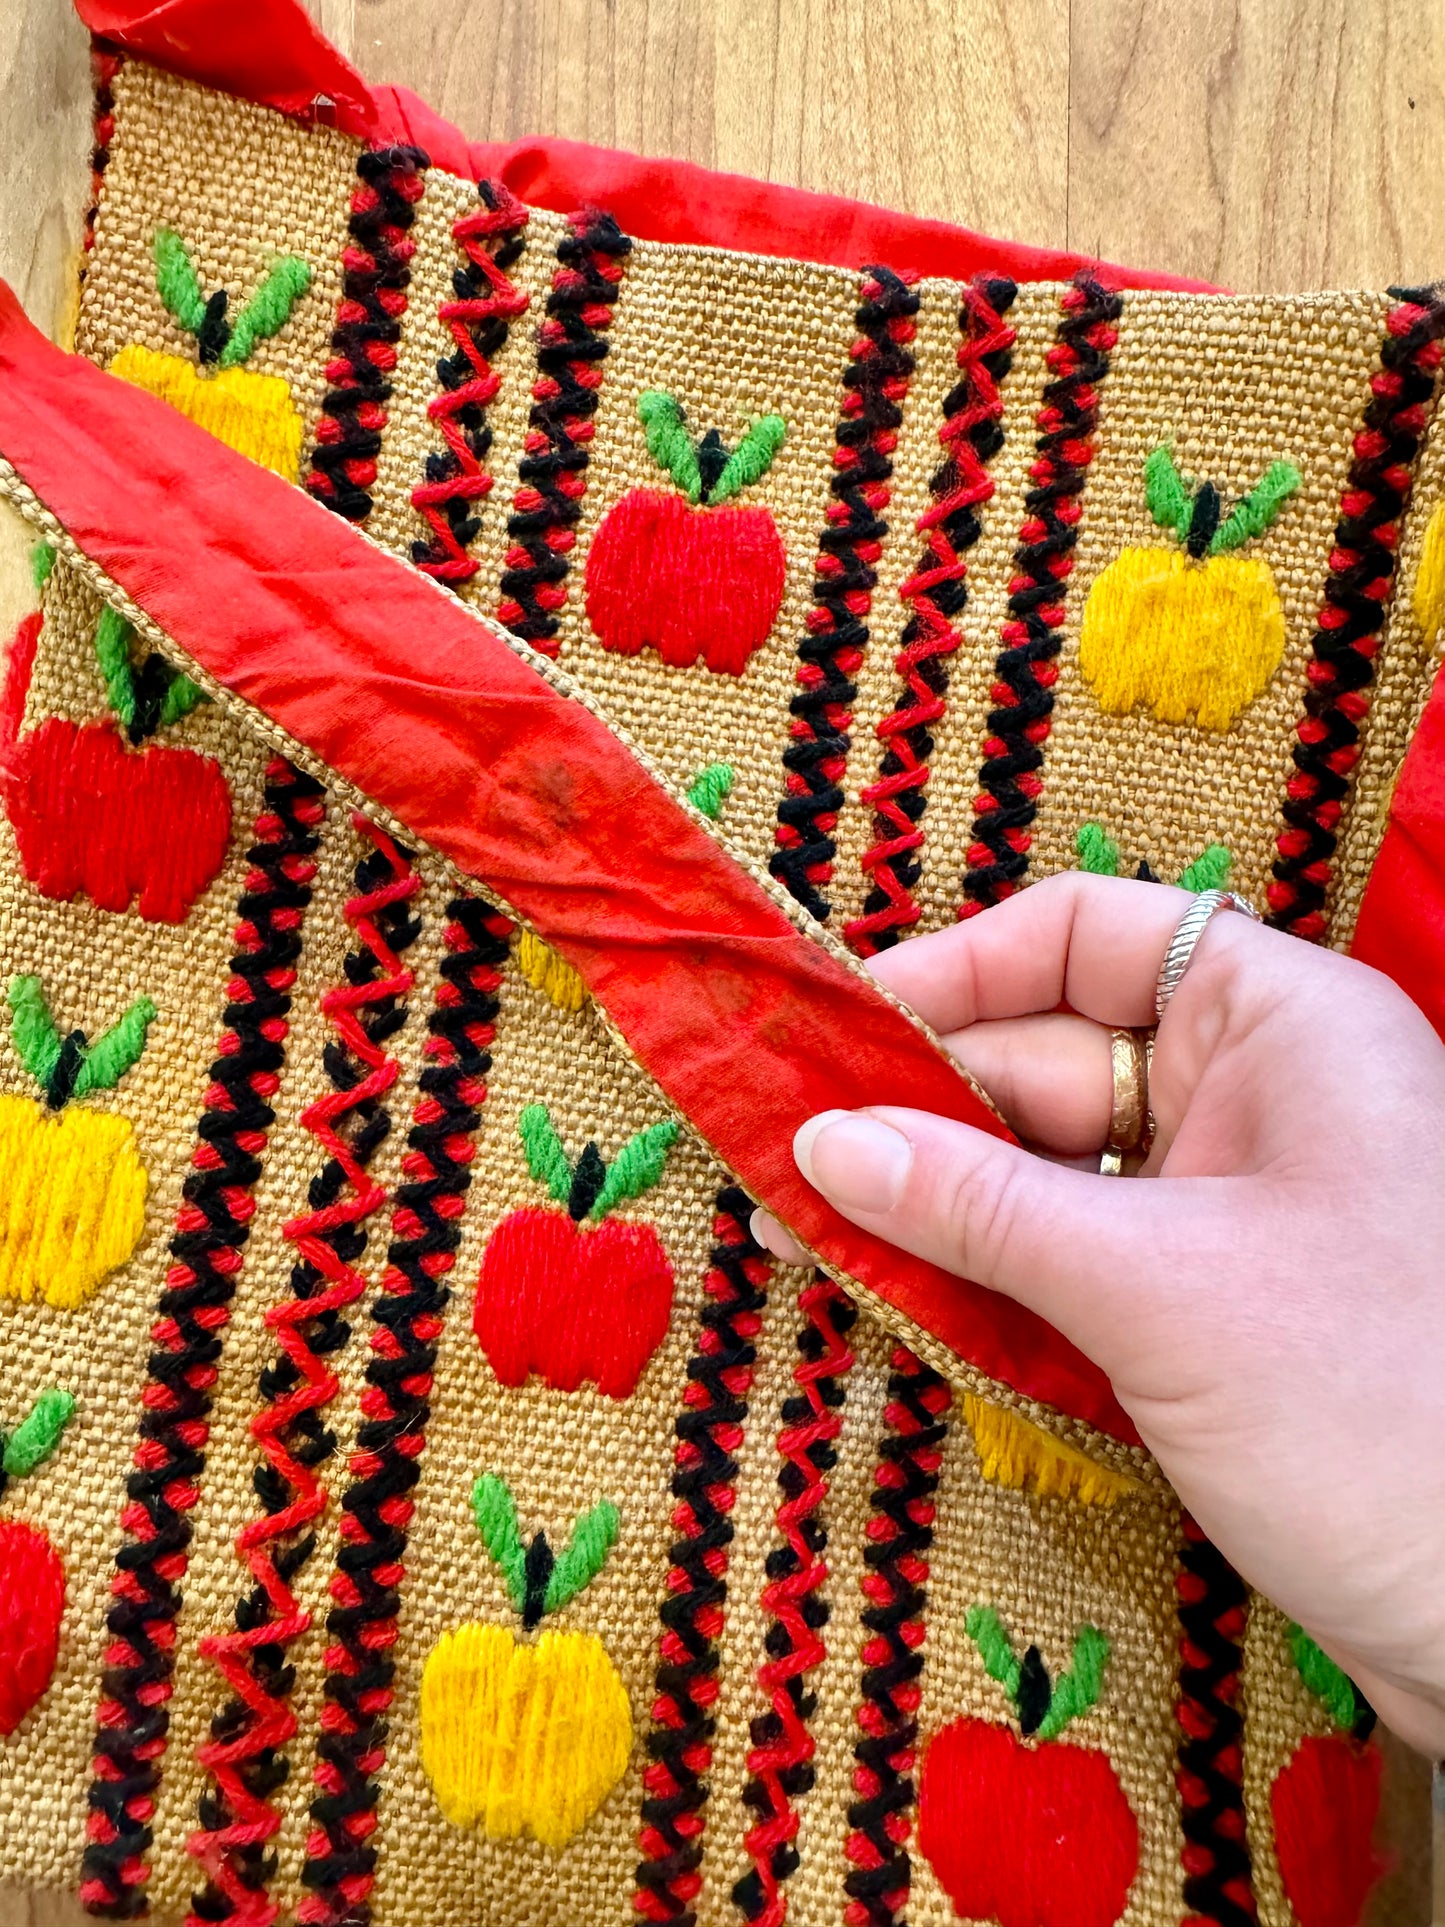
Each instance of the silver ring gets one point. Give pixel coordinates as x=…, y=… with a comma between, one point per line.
x=1187, y=932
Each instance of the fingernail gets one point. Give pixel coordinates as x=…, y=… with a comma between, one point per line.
x=857, y=1161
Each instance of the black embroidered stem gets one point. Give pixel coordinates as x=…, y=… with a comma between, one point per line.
x=1027, y=669
x=830, y=653
x=1361, y=579
x=552, y=475
x=900, y=1533
x=376, y=275
x=705, y=1469
x=408, y=1314
x=212, y=1227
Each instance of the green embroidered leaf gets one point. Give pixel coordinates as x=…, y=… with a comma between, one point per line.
x=177, y=282
x=1170, y=502
x=593, y=1537
x=181, y=697
x=1098, y=853
x=38, y=1433
x=496, y=1517
x=268, y=310
x=1078, y=1689
x=710, y=789
x=986, y=1630
x=1327, y=1681
x=636, y=1168
x=1258, y=510
x=1209, y=870
x=37, y=1041
x=112, y=650
x=42, y=561
x=113, y=1053
x=751, y=459
x=546, y=1159
x=668, y=441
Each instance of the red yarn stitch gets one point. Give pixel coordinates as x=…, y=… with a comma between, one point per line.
x=408, y=1314
x=1213, y=1603
x=248, y=1739
x=900, y=1533
x=704, y=1484
x=552, y=475
x=1026, y=1835
x=1325, y=1805
x=935, y=595
x=212, y=1226
x=688, y=582
x=490, y=237
x=32, y=1601
x=830, y=653
x=1361, y=579
x=104, y=66
x=91, y=816
x=1013, y=754
x=780, y=1761
x=571, y=1302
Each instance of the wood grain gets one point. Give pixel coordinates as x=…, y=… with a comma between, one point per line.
x=1280, y=146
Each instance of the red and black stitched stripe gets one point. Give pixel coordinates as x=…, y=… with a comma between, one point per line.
x=1027, y=667
x=479, y=317
x=780, y=1762
x=246, y=1756
x=936, y=594
x=376, y=272
x=704, y=1482
x=1361, y=580
x=212, y=1226
x=831, y=650
x=105, y=64
x=552, y=475
x=900, y=1533
x=407, y=1314
x=1213, y=1604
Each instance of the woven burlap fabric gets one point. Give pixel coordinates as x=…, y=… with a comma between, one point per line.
x=1234, y=386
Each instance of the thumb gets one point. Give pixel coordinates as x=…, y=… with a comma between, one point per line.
x=1097, y=1257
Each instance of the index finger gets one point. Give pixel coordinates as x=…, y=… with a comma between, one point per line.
x=1092, y=942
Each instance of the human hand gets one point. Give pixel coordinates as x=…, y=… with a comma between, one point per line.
x=1269, y=1301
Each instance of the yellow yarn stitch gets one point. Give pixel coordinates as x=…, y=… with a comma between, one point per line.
x=248, y=412
x=547, y=972
x=1187, y=638
x=1013, y=1452
x=72, y=1201
x=1430, y=579
x=523, y=1739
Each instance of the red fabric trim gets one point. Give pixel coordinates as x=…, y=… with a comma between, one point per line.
x=748, y=1025
x=270, y=52
x=1401, y=927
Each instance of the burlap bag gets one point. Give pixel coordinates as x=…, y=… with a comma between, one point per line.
x=834, y=1629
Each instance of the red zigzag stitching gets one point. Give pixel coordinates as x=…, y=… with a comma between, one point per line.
x=274, y=1546
x=780, y=1762
x=491, y=238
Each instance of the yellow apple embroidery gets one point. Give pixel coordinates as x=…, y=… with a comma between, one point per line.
x=1195, y=631
x=1430, y=578
x=520, y=1737
x=250, y=412
x=72, y=1199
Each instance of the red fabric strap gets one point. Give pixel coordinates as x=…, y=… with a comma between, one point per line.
x=747, y=1024
x=270, y=52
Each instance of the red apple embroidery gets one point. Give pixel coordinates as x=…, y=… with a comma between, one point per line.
x=691, y=575
x=32, y=1579
x=1326, y=1801
x=1031, y=1831
x=93, y=817
x=575, y=1295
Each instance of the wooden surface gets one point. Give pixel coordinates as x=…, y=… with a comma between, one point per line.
x=1292, y=144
